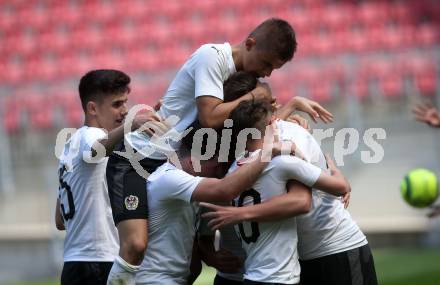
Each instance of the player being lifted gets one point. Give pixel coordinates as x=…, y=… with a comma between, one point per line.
x=195, y=93
x=332, y=247
x=83, y=207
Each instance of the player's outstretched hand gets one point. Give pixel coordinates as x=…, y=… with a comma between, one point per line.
x=435, y=212
x=142, y=118
x=221, y=216
x=225, y=261
x=152, y=125
x=427, y=113
x=314, y=109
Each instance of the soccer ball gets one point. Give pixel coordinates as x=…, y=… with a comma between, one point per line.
x=419, y=188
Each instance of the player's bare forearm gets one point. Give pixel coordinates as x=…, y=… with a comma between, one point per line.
x=226, y=189
x=296, y=202
x=286, y=110
x=213, y=111
x=58, y=219
x=113, y=138
x=335, y=184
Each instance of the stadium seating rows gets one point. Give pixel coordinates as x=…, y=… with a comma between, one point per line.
x=48, y=41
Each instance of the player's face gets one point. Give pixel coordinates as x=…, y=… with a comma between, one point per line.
x=111, y=111
x=260, y=62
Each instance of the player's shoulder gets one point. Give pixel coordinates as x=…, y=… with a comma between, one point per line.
x=213, y=50
x=286, y=127
x=92, y=132
x=166, y=174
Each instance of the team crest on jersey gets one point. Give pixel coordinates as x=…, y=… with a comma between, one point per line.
x=131, y=202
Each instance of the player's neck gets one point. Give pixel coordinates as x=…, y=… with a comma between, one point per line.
x=91, y=122
x=237, y=56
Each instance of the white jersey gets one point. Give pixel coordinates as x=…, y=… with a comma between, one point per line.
x=203, y=74
x=271, y=247
x=172, y=226
x=90, y=231
x=328, y=228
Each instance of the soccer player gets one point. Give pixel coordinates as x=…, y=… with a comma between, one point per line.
x=195, y=93
x=83, y=207
x=331, y=246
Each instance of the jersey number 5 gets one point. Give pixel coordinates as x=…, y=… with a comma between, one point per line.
x=66, y=187
x=256, y=197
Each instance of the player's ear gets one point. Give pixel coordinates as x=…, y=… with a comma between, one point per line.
x=91, y=108
x=249, y=43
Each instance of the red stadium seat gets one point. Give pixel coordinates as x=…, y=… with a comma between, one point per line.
x=358, y=88
x=14, y=73
x=66, y=13
x=321, y=91
x=54, y=40
x=391, y=85
x=11, y=119
x=371, y=14
x=426, y=82
x=427, y=35
x=73, y=114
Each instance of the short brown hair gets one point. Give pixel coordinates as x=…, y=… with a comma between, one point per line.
x=250, y=114
x=97, y=84
x=276, y=35
x=238, y=84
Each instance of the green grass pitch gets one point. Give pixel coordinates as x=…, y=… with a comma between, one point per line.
x=393, y=266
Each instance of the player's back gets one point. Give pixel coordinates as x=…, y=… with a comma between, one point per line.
x=328, y=228
x=171, y=227
x=85, y=206
x=270, y=246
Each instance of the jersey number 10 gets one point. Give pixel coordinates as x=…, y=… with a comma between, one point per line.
x=256, y=197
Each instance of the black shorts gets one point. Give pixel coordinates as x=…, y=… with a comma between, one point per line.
x=352, y=267
x=85, y=273
x=250, y=282
x=223, y=281
x=126, y=188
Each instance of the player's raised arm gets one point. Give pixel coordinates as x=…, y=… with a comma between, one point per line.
x=314, y=109
x=117, y=134
x=212, y=111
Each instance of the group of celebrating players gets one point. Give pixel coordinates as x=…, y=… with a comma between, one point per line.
x=278, y=202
